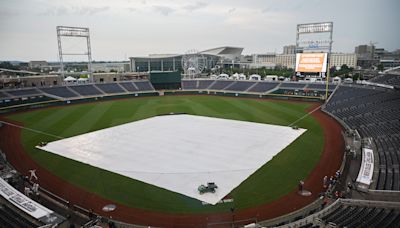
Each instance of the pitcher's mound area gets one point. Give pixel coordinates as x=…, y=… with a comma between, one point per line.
x=181, y=152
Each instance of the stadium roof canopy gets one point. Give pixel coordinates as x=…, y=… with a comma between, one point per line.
x=225, y=52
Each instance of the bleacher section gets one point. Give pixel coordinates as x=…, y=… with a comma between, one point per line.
x=262, y=87
x=239, y=86
x=220, y=85
x=86, y=90
x=128, y=86
x=110, y=88
x=10, y=218
x=313, y=86
x=74, y=91
x=388, y=79
x=229, y=85
x=346, y=213
x=360, y=216
x=24, y=92
x=293, y=85
x=374, y=113
x=189, y=84
x=204, y=84
x=251, y=86
x=3, y=95
x=144, y=86
x=61, y=91
x=22, y=96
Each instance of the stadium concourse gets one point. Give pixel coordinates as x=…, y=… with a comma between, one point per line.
x=368, y=116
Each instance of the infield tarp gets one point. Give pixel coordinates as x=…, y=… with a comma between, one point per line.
x=181, y=152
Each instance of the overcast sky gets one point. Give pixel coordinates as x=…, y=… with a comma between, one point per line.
x=124, y=28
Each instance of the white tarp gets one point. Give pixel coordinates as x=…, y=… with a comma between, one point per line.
x=181, y=152
x=23, y=202
x=367, y=167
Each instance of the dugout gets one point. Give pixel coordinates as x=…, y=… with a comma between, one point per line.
x=165, y=80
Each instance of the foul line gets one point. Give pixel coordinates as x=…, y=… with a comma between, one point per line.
x=304, y=116
x=30, y=129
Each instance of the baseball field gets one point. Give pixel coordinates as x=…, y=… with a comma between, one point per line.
x=272, y=181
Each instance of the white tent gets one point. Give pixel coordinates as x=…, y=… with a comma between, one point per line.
x=271, y=78
x=235, y=76
x=337, y=80
x=82, y=80
x=255, y=77
x=69, y=79
x=223, y=76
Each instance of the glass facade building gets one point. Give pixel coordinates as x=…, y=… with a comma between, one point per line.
x=217, y=56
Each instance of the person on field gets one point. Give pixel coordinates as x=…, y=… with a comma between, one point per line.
x=325, y=181
x=301, y=184
x=32, y=173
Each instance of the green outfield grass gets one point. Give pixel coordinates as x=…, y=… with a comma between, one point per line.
x=275, y=179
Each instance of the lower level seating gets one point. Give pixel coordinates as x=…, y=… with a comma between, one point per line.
x=374, y=113
x=240, y=86
x=129, y=86
x=189, y=84
x=24, y=92
x=11, y=218
x=144, y=86
x=3, y=95
x=220, y=85
x=262, y=87
x=110, y=88
x=59, y=91
x=86, y=90
x=389, y=79
x=360, y=216
x=204, y=84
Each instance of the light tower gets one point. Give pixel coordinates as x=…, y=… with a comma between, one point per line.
x=66, y=31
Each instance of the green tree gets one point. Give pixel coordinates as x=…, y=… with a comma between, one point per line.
x=380, y=67
x=8, y=65
x=344, y=67
x=356, y=76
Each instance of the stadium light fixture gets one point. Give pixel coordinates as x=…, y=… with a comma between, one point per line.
x=67, y=31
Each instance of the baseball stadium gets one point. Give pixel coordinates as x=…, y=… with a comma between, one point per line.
x=173, y=146
x=87, y=172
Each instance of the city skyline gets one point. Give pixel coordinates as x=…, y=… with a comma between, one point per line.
x=138, y=28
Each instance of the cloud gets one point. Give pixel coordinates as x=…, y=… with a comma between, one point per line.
x=164, y=10
x=195, y=6
x=265, y=10
x=93, y=10
x=131, y=9
x=8, y=12
x=72, y=10
x=231, y=10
